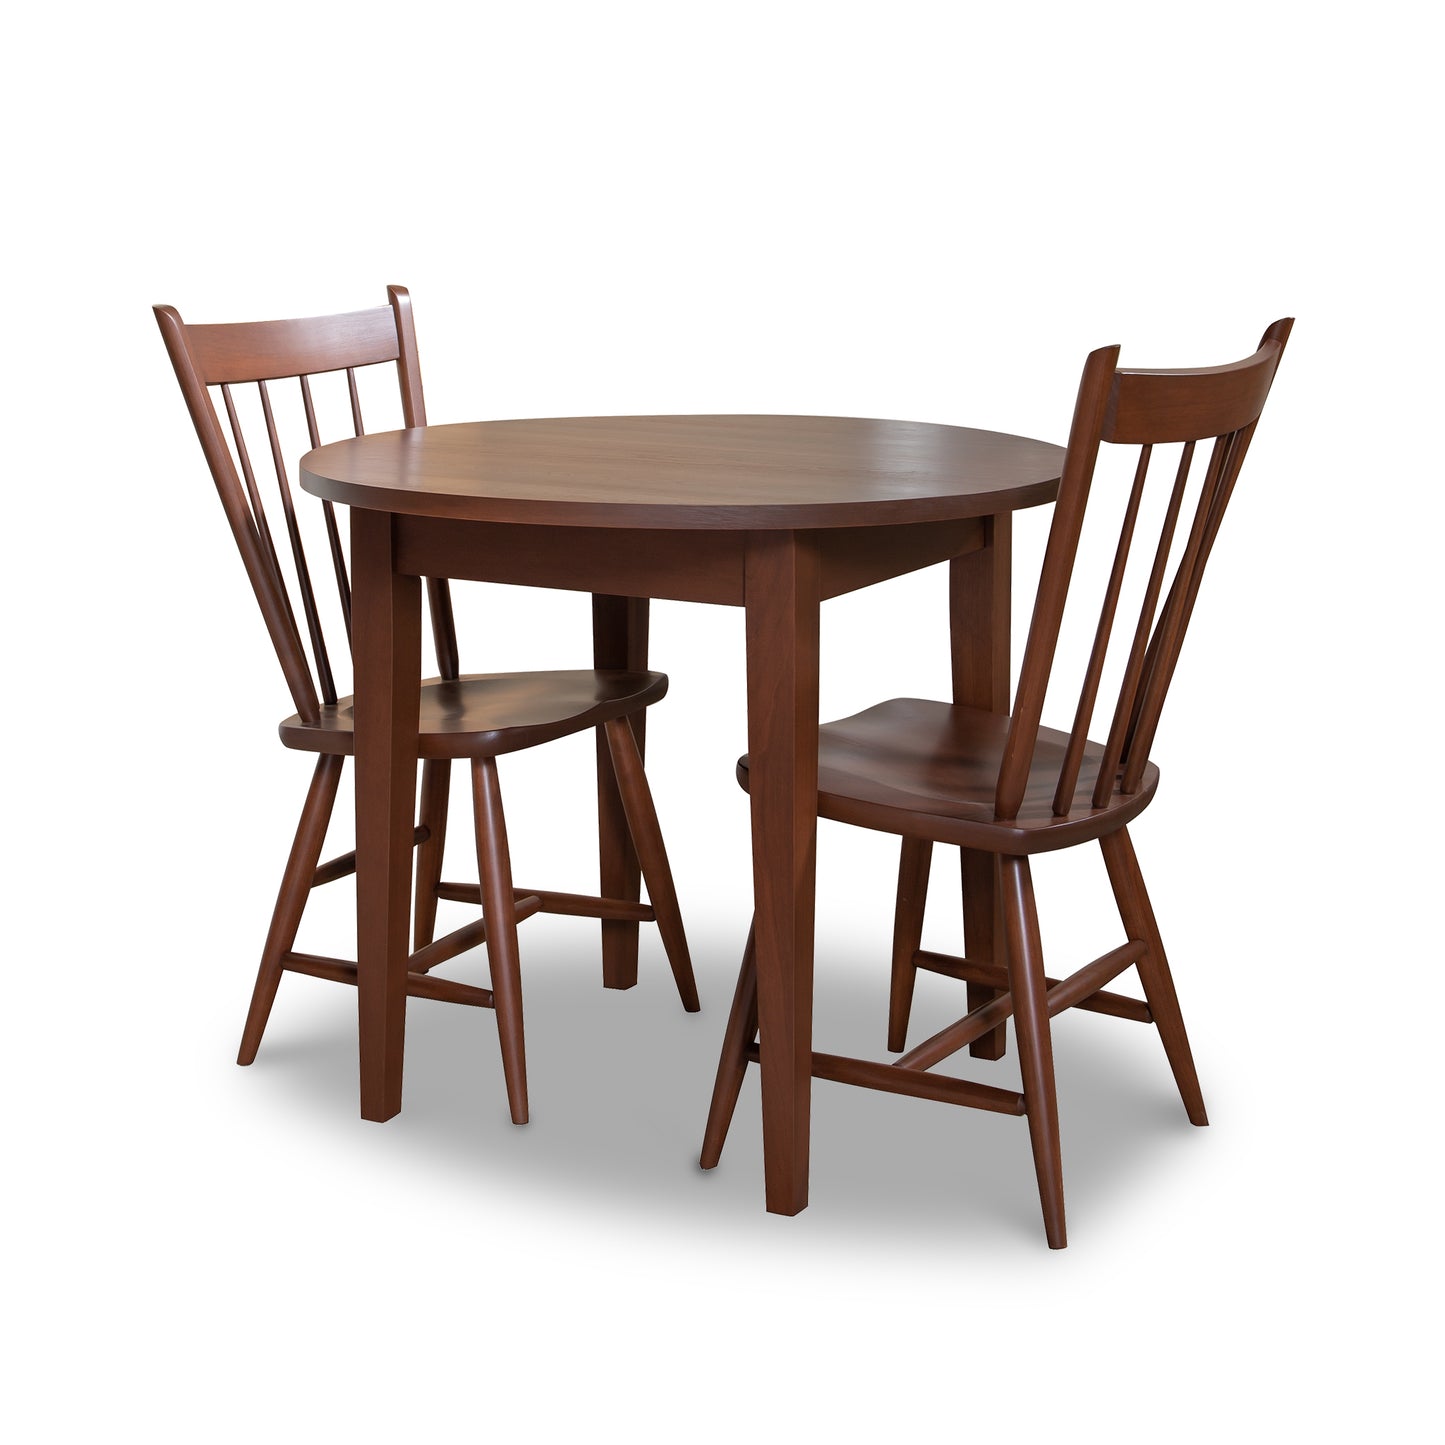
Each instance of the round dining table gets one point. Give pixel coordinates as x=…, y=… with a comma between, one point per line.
x=773, y=514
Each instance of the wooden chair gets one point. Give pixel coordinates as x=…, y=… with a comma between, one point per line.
x=473, y=716
x=1005, y=788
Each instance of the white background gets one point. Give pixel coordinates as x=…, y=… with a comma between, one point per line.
x=910, y=210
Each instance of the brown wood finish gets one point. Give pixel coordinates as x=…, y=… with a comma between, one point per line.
x=980, y=587
x=691, y=473
x=915, y=861
x=500, y=910
x=996, y=977
x=296, y=885
x=1036, y=1049
x=1138, y=918
x=768, y=513
x=436, y=791
x=571, y=905
x=985, y=938
x=489, y=714
x=619, y=639
x=1002, y=786
x=476, y=717
x=387, y=638
x=693, y=566
x=738, y=1039
x=642, y=830
x=782, y=582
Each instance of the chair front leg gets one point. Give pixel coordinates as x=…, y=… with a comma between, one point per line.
x=983, y=940
x=1036, y=1051
x=652, y=854
x=742, y=1029
x=291, y=900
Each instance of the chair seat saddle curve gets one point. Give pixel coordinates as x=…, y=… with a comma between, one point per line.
x=472, y=717
x=1004, y=787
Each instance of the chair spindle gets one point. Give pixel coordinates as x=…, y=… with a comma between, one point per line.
x=1171, y=625
x=1073, y=757
x=328, y=511
x=1239, y=445
x=258, y=510
x=324, y=678
x=1134, y=668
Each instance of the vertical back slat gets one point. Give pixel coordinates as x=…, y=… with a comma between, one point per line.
x=338, y=565
x=1175, y=621
x=1178, y=595
x=324, y=678
x=1134, y=668
x=258, y=509
x=356, y=425
x=1083, y=716
x=1242, y=439
x=333, y=532
x=1235, y=461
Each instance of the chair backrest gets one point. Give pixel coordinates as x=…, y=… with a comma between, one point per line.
x=243, y=354
x=1146, y=409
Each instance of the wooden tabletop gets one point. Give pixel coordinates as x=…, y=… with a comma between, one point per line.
x=688, y=472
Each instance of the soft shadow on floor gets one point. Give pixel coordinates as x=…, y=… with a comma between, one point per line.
x=620, y=1083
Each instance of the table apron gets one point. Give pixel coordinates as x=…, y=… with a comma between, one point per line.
x=685, y=566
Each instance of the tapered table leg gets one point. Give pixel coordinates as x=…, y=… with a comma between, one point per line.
x=979, y=621
x=781, y=587
x=387, y=654
x=619, y=639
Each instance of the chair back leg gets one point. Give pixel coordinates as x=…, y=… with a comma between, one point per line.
x=436, y=783
x=291, y=900
x=1138, y=917
x=914, y=859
